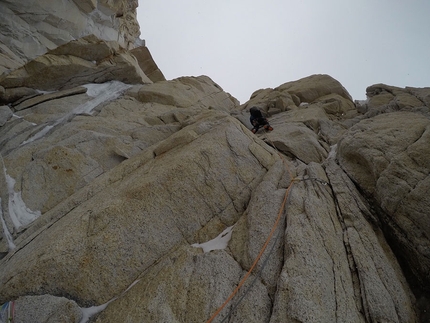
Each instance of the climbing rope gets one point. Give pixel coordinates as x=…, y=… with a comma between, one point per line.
x=275, y=225
x=258, y=256
x=263, y=265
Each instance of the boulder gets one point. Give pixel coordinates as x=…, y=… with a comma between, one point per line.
x=295, y=139
x=271, y=101
x=336, y=105
x=385, y=98
x=310, y=88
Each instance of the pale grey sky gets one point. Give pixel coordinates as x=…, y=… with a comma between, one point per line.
x=246, y=45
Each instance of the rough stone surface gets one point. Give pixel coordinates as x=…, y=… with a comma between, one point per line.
x=46, y=309
x=388, y=157
x=147, y=64
x=144, y=193
x=310, y=88
x=47, y=97
x=18, y=93
x=327, y=259
x=162, y=301
x=186, y=92
x=153, y=202
x=30, y=29
x=72, y=65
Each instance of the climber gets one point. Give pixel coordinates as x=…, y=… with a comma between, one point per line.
x=257, y=120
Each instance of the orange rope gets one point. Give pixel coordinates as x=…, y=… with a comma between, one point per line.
x=275, y=225
x=259, y=255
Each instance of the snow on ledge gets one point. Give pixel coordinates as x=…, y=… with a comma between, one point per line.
x=91, y=311
x=88, y=312
x=219, y=243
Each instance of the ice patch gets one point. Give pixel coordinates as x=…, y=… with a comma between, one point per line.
x=100, y=93
x=105, y=89
x=38, y=135
x=19, y=213
x=219, y=243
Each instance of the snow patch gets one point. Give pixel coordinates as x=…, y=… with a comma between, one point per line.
x=44, y=92
x=88, y=312
x=100, y=93
x=106, y=90
x=219, y=243
x=19, y=213
x=38, y=135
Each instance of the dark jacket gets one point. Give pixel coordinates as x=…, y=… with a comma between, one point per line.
x=257, y=120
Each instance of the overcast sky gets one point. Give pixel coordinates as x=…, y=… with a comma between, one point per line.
x=246, y=45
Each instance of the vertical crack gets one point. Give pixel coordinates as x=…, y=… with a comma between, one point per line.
x=350, y=257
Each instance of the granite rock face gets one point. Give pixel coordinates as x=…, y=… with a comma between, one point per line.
x=82, y=61
x=31, y=28
x=388, y=157
x=125, y=195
